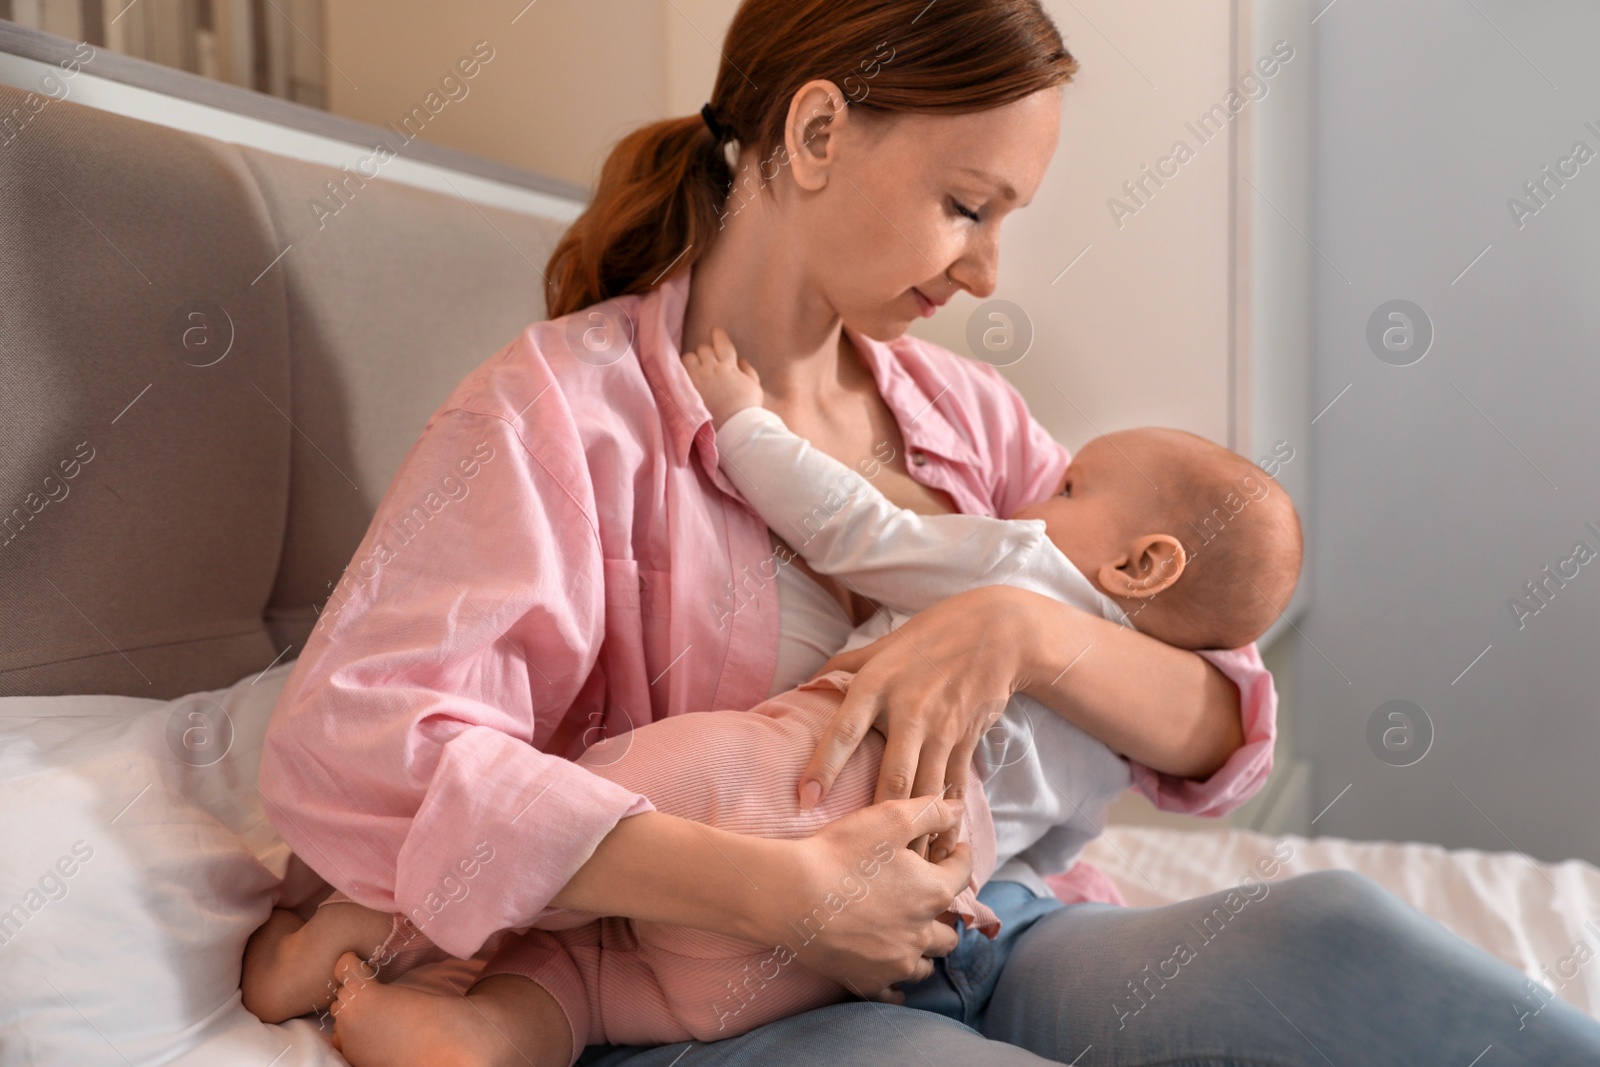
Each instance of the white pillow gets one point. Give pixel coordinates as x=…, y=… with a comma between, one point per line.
x=136, y=861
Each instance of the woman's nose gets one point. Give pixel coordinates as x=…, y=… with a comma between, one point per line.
x=977, y=271
x=978, y=278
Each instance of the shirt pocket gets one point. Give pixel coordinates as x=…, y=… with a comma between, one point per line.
x=638, y=616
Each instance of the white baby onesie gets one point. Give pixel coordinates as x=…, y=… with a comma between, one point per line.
x=1048, y=783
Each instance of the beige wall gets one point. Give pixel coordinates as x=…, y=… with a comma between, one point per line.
x=1136, y=332
x=567, y=79
x=695, y=29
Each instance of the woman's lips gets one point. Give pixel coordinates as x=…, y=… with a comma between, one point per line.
x=925, y=307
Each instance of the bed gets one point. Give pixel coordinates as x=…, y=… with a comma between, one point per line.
x=207, y=385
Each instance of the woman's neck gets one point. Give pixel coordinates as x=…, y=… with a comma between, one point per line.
x=775, y=317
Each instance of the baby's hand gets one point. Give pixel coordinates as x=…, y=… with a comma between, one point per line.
x=727, y=383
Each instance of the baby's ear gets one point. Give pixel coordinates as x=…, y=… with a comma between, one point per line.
x=1152, y=563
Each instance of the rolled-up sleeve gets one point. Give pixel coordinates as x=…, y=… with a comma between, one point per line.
x=1237, y=780
x=401, y=761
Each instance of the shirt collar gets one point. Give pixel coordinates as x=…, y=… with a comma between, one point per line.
x=660, y=326
x=915, y=395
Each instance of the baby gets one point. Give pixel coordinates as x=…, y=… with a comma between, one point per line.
x=1155, y=529
x=1159, y=530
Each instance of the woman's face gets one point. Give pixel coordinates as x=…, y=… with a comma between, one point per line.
x=911, y=207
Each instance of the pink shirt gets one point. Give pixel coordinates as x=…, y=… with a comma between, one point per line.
x=560, y=550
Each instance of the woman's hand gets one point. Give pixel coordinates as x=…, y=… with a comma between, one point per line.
x=851, y=902
x=932, y=687
x=854, y=904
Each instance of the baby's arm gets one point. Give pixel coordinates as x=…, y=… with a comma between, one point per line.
x=837, y=520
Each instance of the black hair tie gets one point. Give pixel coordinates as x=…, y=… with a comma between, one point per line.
x=711, y=122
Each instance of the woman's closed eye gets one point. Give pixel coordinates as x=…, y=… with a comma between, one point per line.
x=963, y=211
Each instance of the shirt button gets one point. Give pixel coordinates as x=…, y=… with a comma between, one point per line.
x=918, y=457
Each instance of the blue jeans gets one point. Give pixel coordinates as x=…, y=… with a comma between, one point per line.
x=1322, y=968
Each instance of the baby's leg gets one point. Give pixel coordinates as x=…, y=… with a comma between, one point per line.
x=737, y=770
x=502, y=1019
x=288, y=964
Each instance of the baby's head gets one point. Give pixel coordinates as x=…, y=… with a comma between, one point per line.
x=1195, y=542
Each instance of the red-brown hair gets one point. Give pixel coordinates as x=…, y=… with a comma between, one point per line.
x=662, y=189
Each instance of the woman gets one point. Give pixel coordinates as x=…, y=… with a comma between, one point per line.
x=587, y=569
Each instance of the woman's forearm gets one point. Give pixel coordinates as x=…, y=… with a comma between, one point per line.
x=786, y=893
x=663, y=868
x=1167, y=708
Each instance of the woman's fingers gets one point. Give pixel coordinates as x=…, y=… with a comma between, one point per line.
x=899, y=769
x=956, y=868
x=958, y=767
x=841, y=737
x=924, y=818
x=917, y=758
x=889, y=936
x=933, y=761
x=852, y=660
x=919, y=816
x=893, y=994
x=945, y=940
x=924, y=969
x=917, y=753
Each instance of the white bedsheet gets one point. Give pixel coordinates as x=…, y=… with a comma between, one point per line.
x=1531, y=915
x=141, y=940
x=1535, y=916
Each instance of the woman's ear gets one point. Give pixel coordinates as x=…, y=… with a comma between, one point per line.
x=1150, y=566
x=816, y=115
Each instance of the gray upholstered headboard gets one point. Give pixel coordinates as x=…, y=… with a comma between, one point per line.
x=206, y=385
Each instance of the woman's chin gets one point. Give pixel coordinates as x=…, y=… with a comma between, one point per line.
x=880, y=327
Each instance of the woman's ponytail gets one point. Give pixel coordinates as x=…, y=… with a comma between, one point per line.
x=657, y=205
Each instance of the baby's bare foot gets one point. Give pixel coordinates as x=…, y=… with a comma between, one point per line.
x=288, y=964
x=505, y=1019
